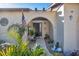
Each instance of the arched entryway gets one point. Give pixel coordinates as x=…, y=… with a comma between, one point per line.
x=42, y=26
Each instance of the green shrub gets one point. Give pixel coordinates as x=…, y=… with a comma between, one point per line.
x=57, y=53
x=47, y=36
x=21, y=49
x=31, y=32
x=38, y=51
x=2, y=41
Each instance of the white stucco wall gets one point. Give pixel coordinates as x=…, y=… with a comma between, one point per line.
x=59, y=26
x=70, y=27
x=16, y=17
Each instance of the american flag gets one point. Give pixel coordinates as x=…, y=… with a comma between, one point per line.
x=23, y=19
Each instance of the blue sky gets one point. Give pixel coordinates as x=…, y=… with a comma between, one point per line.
x=25, y=5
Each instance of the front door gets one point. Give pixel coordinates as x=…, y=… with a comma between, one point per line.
x=37, y=27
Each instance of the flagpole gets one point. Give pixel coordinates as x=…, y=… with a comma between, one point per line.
x=23, y=24
x=28, y=29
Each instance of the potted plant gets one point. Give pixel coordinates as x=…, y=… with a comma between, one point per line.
x=31, y=34
x=47, y=36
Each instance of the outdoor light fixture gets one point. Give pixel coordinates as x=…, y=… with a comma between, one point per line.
x=70, y=17
x=72, y=11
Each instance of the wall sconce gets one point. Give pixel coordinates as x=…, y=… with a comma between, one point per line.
x=70, y=17
x=72, y=11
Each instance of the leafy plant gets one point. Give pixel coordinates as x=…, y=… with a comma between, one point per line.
x=57, y=45
x=2, y=41
x=75, y=53
x=38, y=51
x=21, y=49
x=55, y=53
x=47, y=36
x=31, y=32
x=19, y=29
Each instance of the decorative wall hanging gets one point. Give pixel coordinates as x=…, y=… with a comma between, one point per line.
x=70, y=17
x=4, y=21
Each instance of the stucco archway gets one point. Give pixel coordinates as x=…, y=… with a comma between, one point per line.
x=46, y=27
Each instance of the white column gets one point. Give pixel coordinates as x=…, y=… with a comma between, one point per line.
x=70, y=34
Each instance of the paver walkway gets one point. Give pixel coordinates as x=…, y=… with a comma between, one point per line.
x=40, y=41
